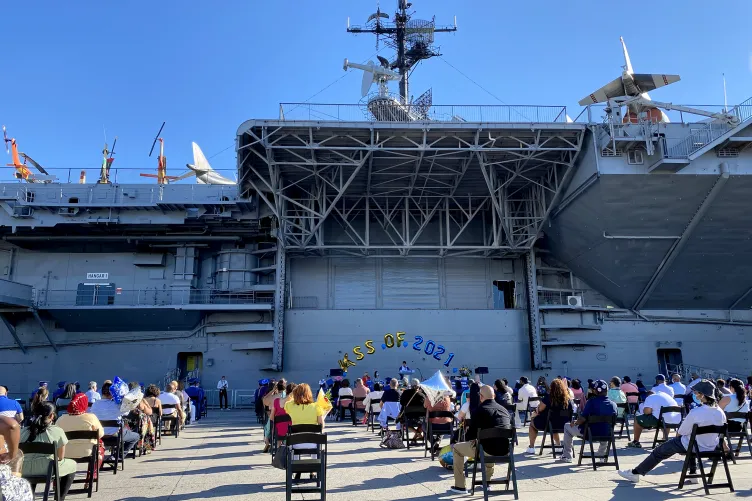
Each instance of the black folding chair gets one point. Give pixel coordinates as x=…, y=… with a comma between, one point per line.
x=284, y=418
x=315, y=465
x=53, y=474
x=170, y=418
x=354, y=409
x=486, y=437
x=413, y=417
x=588, y=437
x=157, y=425
x=566, y=417
x=374, y=408
x=434, y=432
x=623, y=419
x=512, y=409
x=532, y=400
x=694, y=454
x=741, y=435
x=115, y=444
x=633, y=406
x=91, y=462
x=664, y=426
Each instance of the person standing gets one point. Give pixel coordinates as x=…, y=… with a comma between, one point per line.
x=222, y=386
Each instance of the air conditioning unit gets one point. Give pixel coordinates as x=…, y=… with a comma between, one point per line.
x=574, y=301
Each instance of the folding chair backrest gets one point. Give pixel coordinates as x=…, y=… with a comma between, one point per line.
x=440, y=414
x=737, y=415
x=375, y=401
x=82, y=435
x=155, y=411
x=706, y=430
x=306, y=438
x=511, y=408
x=357, y=400
x=169, y=406
x=533, y=400
x=611, y=420
x=673, y=408
x=37, y=448
x=111, y=424
x=496, y=434
x=305, y=428
x=284, y=418
x=624, y=406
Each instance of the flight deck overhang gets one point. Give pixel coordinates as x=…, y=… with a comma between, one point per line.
x=411, y=189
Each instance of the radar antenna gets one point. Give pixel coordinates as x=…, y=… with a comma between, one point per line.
x=411, y=38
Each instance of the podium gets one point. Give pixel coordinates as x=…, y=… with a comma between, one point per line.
x=406, y=373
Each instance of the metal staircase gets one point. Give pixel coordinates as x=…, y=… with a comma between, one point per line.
x=686, y=371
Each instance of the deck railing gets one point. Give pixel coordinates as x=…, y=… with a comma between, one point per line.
x=436, y=113
x=109, y=297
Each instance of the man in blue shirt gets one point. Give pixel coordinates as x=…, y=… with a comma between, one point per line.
x=9, y=408
x=598, y=405
x=196, y=393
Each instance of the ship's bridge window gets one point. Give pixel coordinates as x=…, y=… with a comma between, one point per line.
x=29, y=196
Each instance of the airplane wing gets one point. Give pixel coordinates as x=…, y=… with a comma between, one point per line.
x=647, y=82
x=36, y=165
x=614, y=88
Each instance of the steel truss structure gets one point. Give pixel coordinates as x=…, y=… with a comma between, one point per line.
x=435, y=189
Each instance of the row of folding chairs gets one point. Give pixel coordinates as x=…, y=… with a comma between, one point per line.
x=115, y=461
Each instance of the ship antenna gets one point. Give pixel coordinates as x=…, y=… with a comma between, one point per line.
x=412, y=39
x=725, y=100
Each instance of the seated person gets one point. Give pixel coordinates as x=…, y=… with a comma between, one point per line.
x=413, y=399
x=79, y=419
x=525, y=392
x=489, y=414
x=737, y=402
x=647, y=418
x=344, y=402
x=170, y=397
x=706, y=414
x=14, y=487
x=555, y=401
x=596, y=405
x=616, y=395
x=107, y=409
x=42, y=430
x=440, y=424
x=376, y=394
x=360, y=391
x=61, y=402
x=390, y=404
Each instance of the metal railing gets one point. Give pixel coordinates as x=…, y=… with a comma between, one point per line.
x=437, y=113
x=73, y=195
x=557, y=298
x=146, y=297
x=72, y=175
x=686, y=371
x=698, y=138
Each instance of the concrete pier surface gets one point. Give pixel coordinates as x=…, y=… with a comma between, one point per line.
x=220, y=458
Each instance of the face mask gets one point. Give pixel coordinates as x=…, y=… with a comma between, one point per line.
x=696, y=399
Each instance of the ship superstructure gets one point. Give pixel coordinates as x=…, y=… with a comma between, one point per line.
x=510, y=237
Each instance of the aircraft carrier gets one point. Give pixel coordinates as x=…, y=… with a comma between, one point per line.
x=361, y=235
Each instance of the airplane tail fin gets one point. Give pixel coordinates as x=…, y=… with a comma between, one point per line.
x=627, y=62
x=200, y=163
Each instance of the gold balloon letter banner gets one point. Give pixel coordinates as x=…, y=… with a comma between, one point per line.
x=396, y=340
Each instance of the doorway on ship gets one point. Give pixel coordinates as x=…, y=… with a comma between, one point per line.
x=190, y=364
x=669, y=360
x=503, y=294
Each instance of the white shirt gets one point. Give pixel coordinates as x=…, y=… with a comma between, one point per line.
x=704, y=415
x=170, y=399
x=691, y=384
x=374, y=395
x=658, y=400
x=734, y=406
x=93, y=396
x=664, y=388
x=222, y=384
x=107, y=410
x=679, y=389
x=524, y=394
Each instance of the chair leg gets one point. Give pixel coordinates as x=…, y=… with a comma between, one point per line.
x=475, y=471
x=703, y=477
x=685, y=467
x=543, y=441
x=484, y=477
x=592, y=454
x=513, y=475
x=616, y=458
x=728, y=473
x=582, y=451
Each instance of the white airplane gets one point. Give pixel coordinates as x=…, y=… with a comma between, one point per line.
x=202, y=170
x=631, y=84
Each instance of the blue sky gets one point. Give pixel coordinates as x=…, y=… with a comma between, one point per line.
x=73, y=68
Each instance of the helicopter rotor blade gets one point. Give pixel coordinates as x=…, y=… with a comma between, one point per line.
x=156, y=138
x=38, y=167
